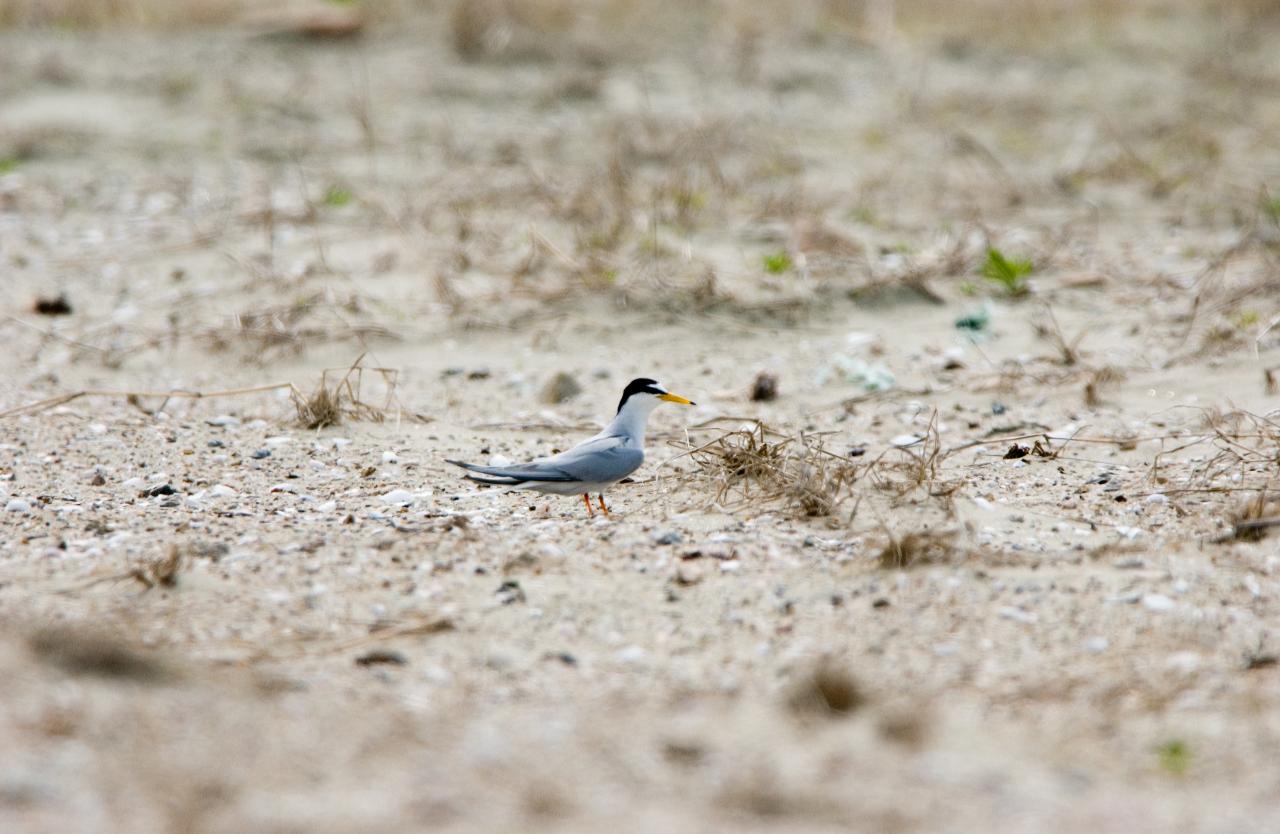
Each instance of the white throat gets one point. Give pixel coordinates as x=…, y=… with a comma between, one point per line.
x=631, y=420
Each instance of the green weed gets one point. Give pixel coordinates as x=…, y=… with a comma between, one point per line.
x=336, y=196
x=1009, y=274
x=776, y=263
x=1174, y=756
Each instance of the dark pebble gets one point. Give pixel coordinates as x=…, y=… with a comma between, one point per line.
x=261, y=453
x=166, y=489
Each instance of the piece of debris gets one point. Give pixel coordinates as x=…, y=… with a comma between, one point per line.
x=375, y=657
x=917, y=549
x=84, y=652
x=510, y=592
x=826, y=692
x=163, y=489
x=765, y=388
x=562, y=388
x=56, y=306
x=1016, y=451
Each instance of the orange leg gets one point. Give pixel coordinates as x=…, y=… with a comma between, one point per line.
x=603, y=508
x=587, y=500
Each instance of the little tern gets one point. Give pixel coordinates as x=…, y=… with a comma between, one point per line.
x=596, y=463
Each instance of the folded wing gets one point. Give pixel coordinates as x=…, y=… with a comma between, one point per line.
x=599, y=460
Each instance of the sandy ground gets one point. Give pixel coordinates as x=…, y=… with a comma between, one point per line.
x=218, y=620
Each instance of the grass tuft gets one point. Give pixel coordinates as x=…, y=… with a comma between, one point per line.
x=1009, y=274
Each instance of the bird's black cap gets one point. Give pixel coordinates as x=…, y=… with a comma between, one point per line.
x=642, y=385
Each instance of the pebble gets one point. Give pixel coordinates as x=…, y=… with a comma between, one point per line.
x=221, y=491
x=277, y=441
x=18, y=505
x=631, y=654
x=1009, y=612
x=1157, y=498
x=134, y=483
x=390, y=457
x=905, y=440
x=261, y=453
x=669, y=537
x=215, y=444
x=223, y=420
x=1097, y=645
x=1158, y=602
x=163, y=489
x=401, y=497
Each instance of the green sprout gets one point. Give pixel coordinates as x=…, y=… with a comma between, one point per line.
x=1010, y=274
x=1175, y=757
x=1271, y=207
x=336, y=196
x=8, y=163
x=777, y=263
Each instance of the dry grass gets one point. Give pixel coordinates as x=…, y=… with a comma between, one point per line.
x=332, y=402
x=759, y=467
x=918, y=548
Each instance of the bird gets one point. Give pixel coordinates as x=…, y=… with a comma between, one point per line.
x=596, y=463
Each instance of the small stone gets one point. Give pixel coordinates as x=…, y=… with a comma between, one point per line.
x=1018, y=615
x=215, y=444
x=400, y=497
x=277, y=441
x=223, y=420
x=221, y=491
x=668, y=538
x=905, y=440
x=1158, y=602
x=261, y=453
x=631, y=654
x=1157, y=498
x=510, y=592
x=562, y=388
x=18, y=505
x=765, y=388
x=134, y=483
x=97, y=479
x=163, y=489
x=1097, y=645
x=390, y=457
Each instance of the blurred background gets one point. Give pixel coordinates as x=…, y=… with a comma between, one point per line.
x=272, y=181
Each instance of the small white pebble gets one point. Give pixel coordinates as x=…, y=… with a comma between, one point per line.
x=631, y=654
x=400, y=497
x=1158, y=602
x=905, y=440
x=1097, y=645
x=1157, y=498
x=18, y=505
x=97, y=428
x=221, y=491
x=1009, y=612
x=277, y=441
x=390, y=457
x=134, y=483
x=223, y=420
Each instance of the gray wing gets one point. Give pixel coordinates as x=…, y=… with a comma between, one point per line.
x=598, y=460
x=600, y=465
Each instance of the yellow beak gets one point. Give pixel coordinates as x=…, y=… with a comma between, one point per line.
x=676, y=398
